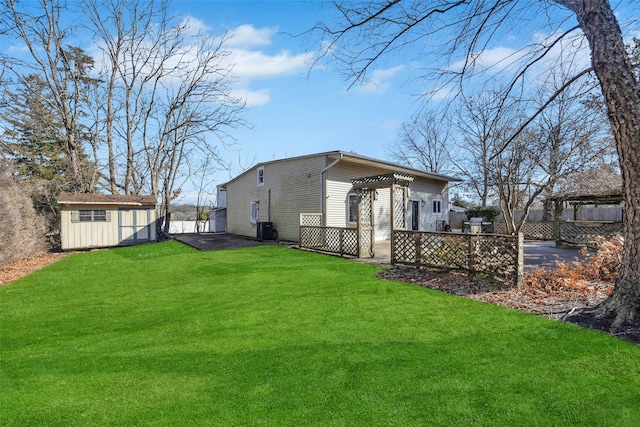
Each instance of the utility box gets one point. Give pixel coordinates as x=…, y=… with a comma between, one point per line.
x=265, y=230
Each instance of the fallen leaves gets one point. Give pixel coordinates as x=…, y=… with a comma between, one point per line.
x=570, y=286
x=15, y=270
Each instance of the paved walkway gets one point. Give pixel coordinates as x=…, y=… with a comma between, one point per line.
x=218, y=241
x=536, y=254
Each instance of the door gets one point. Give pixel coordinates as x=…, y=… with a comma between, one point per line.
x=415, y=215
x=133, y=226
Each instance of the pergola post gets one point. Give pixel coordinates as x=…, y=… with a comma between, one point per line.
x=399, y=184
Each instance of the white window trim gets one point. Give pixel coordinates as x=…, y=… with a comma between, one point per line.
x=349, y=196
x=433, y=211
x=260, y=176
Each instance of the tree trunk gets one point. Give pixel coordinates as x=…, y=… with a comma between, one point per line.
x=621, y=92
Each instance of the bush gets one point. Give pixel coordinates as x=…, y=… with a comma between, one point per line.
x=21, y=228
x=489, y=213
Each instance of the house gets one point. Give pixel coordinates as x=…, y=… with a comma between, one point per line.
x=99, y=220
x=279, y=191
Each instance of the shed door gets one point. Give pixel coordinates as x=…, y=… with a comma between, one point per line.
x=133, y=226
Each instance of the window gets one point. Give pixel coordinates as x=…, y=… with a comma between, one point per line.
x=96, y=215
x=260, y=176
x=437, y=206
x=353, y=208
x=85, y=216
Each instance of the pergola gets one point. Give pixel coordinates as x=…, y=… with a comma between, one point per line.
x=366, y=187
x=578, y=200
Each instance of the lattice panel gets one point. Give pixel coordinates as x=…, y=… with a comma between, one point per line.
x=403, y=248
x=399, y=208
x=365, y=209
x=443, y=251
x=495, y=255
x=537, y=230
x=343, y=241
x=365, y=223
x=580, y=233
x=314, y=219
x=490, y=254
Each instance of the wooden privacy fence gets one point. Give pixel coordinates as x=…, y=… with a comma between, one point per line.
x=500, y=256
x=338, y=240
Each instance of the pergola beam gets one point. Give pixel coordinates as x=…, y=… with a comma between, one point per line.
x=383, y=180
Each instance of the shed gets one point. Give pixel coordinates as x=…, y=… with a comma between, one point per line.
x=99, y=220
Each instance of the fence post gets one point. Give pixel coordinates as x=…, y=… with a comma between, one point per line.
x=520, y=261
x=418, y=249
x=300, y=246
x=471, y=259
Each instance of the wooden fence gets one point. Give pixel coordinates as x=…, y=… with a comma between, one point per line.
x=499, y=256
x=337, y=240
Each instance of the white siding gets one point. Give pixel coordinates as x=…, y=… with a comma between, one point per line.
x=427, y=190
x=338, y=188
x=295, y=188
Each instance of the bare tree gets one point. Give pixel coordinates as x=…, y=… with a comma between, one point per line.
x=172, y=90
x=64, y=68
x=425, y=142
x=573, y=134
x=368, y=31
x=478, y=121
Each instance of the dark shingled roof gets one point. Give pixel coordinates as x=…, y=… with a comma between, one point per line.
x=111, y=199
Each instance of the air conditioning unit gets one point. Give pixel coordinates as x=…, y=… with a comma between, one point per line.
x=265, y=230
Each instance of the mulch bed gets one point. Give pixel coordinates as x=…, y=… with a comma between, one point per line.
x=15, y=270
x=566, y=304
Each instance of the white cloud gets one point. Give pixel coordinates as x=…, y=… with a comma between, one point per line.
x=246, y=36
x=195, y=26
x=253, y=98
x=489, y=58
x=251, y=64
x=379, y=80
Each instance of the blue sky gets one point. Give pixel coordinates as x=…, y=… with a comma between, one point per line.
x=295, y=111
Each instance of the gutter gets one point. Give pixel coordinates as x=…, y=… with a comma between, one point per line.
x=322, y=186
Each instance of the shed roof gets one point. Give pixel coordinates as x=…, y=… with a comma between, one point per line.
x=105, y=199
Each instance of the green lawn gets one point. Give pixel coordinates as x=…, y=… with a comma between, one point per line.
x=165, y=335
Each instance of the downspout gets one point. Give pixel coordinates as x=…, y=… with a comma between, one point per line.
x=322, y=192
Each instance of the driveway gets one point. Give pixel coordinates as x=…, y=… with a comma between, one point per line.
x=218, y=241
x=545, y=255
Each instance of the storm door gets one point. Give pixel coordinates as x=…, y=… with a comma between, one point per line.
x=415, y=215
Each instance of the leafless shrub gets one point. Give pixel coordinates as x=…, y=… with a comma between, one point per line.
x=21, y=228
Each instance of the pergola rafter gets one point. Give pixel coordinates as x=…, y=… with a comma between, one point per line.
x=383, y=180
